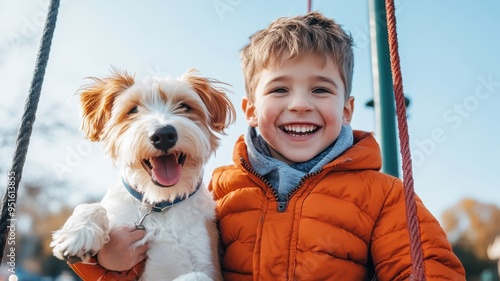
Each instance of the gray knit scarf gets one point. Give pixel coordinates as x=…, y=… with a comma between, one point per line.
x=282, y=176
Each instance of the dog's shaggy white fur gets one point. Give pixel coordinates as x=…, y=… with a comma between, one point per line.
x=159, y=133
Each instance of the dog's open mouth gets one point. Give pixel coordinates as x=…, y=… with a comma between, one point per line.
x=165, y=170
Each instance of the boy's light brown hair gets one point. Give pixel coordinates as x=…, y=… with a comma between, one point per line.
x=297, y=36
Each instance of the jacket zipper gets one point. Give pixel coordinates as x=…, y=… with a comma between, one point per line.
x=253, y=172
x=282, y=204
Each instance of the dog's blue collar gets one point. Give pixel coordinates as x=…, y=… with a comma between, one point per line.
x=160, y=206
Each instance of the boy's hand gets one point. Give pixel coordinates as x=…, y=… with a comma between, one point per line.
x=117, y=254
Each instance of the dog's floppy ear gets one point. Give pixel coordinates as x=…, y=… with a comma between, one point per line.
x=97, y=101
x=222, y=112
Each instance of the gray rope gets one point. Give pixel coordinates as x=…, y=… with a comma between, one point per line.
x=7, y=216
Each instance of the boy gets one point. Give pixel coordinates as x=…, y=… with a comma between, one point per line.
x=304, y=199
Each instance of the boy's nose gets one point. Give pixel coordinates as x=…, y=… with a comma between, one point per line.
x=300, y=103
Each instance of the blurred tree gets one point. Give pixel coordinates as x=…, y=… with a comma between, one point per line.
x=472, y=224
x=47, y=127
x=42, y=203
x=471, y=227
x=36, y=221
x=474, y=265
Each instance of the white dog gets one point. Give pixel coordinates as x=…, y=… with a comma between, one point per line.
x=159, y=134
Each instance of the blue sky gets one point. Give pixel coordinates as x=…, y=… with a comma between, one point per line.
x=449, y=58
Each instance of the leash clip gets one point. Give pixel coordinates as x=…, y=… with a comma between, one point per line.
x=139, y=225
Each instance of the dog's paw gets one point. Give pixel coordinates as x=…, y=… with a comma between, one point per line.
x=194, y=276
x=83, y=234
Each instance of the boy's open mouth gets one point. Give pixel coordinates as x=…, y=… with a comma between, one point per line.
x=299, y=130
x=165, y=170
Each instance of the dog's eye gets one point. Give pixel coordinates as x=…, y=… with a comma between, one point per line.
x=184, y=107
x=133, y=110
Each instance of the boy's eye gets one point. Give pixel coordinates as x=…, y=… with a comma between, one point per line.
x=279, y=91
x=321, y=91
x=133, y=110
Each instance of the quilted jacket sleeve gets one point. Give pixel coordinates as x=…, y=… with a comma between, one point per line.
x=390, y=246
x=93, y=271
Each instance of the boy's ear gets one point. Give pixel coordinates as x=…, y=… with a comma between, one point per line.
x=348, y=111
x=249, y=109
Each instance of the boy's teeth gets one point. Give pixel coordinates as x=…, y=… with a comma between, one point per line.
x=300, y=128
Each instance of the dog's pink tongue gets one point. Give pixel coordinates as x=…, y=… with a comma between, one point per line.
x=166, y=171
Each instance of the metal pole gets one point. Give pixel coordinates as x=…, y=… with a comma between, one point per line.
x=384, y=104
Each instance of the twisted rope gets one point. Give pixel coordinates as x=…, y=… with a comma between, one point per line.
x=7, y=216
x=418, y=270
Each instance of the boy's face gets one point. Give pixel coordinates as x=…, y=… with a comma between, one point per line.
x=299, y=108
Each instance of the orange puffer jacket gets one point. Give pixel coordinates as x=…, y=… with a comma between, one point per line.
x=342, y=222
x=92, y=271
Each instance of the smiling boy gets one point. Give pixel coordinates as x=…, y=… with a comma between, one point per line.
x=304, y=199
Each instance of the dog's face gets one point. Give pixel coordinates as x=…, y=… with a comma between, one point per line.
x=159, y=133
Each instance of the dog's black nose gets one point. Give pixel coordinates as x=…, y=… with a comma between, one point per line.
x=163, y=138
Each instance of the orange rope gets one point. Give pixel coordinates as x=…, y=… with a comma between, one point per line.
x=418, y=269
